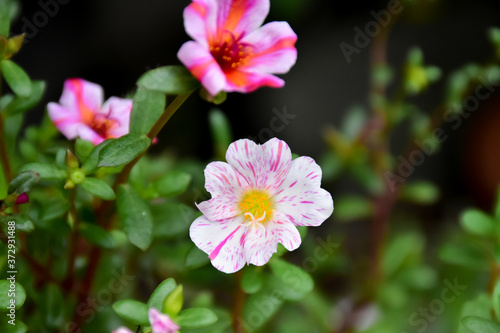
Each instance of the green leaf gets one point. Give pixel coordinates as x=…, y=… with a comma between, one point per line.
x=252, y=280
x=19, y=327
x=45, y=171
x=89, y=166
x=134, y=312
x=172, y=304
x=172, y=184
x=195, y=318
x=172, y=219
x=135, y=216
x=497, y=207
x=123, y=150
x=351, y=208
x=3, y=182
x=173, y=80
x=478, y=307
x=496, y=299
x=292, y=277
x=11, y=297
x=16, y=78
x=96, y=235
x=4, y=18
x=221, y=132
x=52, y=306
x=464, y=255
x=354, y=121
x=422, y=193
x=196, y=258
x=263, y=305
x=477, y=222
x=480, y=325
x=22, y=104
x=148, y=106
x=23, y=182
x=160, y=294
x=401, y=249
x=99, y=188
x=22, y=222
x=83, y=149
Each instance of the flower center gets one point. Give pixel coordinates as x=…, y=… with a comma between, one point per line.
x=102, y=125
x=257, y=206
x=231, y=53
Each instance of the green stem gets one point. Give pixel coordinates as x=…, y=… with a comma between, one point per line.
x=73, y=242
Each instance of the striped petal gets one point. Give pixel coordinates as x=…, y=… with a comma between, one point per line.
x=161, y=323
x=300, y=196
x=200, y=20
x=88, y=134
x=203, y=66
x=241, y=16
x=82, y=96
x=261, y=242
x=66, y=120
x=118, y=109
x=263, y=166
x=226, y=187
x=246, y=82
x=273, y=47
x=221, y=241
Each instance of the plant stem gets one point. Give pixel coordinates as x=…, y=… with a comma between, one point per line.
x=238, y=305
x=105, y=211
x=73, y=242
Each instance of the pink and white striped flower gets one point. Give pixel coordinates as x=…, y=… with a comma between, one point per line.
x=231, y=51
x=258, y=199
x=82, y=114
x=160, y=323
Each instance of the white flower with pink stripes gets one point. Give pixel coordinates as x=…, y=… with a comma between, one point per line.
x=231, y=51
x=160, y=323
x=82, y=114
x=258, y=199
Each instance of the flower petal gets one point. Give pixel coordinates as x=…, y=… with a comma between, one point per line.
x=300, y=196
x=203, y=66
x=262, y=241
x=118, y=109
x=246, y=82
x=241, y=16
x=273, y=47
x=263, y=166
x=200, y=20
x=66, y=120
x=87, y=133
x=82, y=96
x=122, y=330
x=221, y=241
x=226, y=186
x=161, y=323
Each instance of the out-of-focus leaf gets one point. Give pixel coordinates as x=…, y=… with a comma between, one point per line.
x=169, y=80
x=22, y=222
x=123, y=150
x=496, y=299
x=45, y=171
x=96, y=235
x=173, y=183
x=52, y=306
x=478, y=307
x=83, y=149
x=172, y=219
x=292, y=277
x=464, y=255
x=262, y=305
x=23, y=182
x=195, y=318
x=477, y=222
x=402, y=248
x=5, y=299
x=172, y=304
x=148, y=106
x=135, y=216
x=98, y=187
x=16, y=78
x=252, y=280
x=354, y=121
x=132, y=311
x=196, y=258
x=422, y=193
x=350, y=208
x=3, y=182
x=420, y=278
x=160, y=294
x=4, y=18
x=22, y=104
x=480, y=325
x=221, y=132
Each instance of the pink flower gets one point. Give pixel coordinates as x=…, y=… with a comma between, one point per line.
x=22, y=199
x=160, y=323
x=82, y=114
x=258, y=199
x=231, y=51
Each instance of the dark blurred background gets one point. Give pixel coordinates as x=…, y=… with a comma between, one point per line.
x=113, y=42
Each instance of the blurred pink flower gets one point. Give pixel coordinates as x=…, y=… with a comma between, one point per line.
x=22, y=199
x=160, y=323
x=82, y=114
x=231, y=51
x=258, y=199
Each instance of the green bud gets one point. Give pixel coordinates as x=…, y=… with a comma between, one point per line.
x=172, y=304
x=14, y=44
x=77, y=176
x=71, y=160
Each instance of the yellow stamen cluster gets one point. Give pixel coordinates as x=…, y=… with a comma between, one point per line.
x=257, y=206
x=231, y=54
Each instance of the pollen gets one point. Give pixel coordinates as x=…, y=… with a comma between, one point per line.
x=231, y=53
x=102, y=125
x=257, y=206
